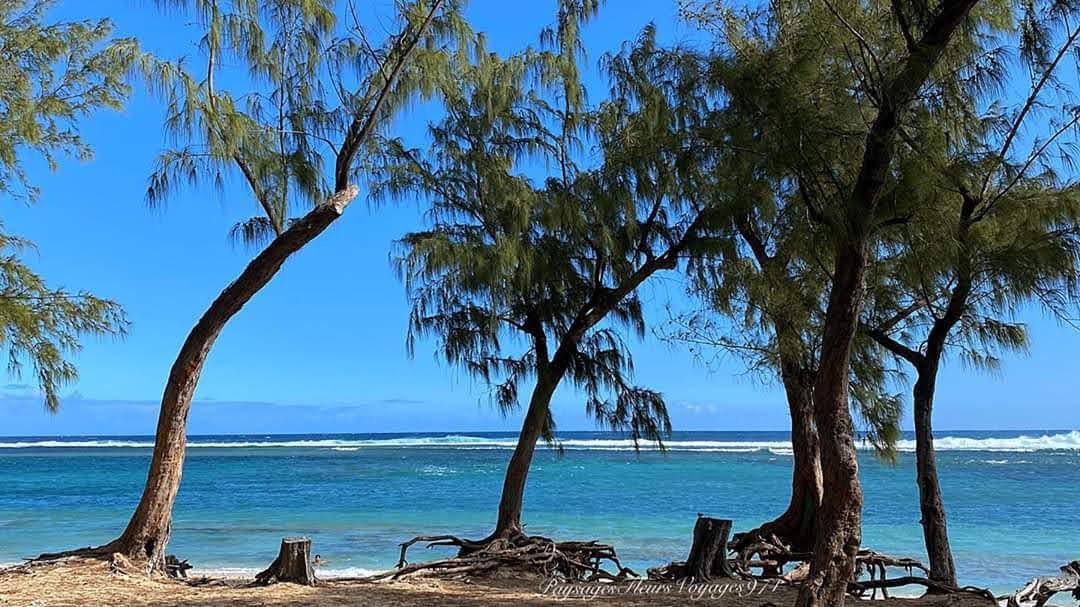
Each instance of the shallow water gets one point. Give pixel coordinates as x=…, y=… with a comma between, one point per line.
x=1012, y=499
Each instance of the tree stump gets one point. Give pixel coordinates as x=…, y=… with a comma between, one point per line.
x=708, y=553
x=293, y=564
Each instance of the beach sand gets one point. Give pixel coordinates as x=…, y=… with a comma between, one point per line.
x=91, y=583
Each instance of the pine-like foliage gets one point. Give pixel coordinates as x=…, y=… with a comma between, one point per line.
x=294, y=122
x=997, y=224
x=52, y=75
x=523, y=279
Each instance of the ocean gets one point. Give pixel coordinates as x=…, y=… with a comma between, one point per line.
x=1012, y=497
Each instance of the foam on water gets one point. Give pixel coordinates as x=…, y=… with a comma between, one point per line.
x=1067, y=441
x=247, y=573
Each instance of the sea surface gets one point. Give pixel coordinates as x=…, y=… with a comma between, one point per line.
x=1013, y=498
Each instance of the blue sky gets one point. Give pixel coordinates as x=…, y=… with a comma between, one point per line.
x=321, y=349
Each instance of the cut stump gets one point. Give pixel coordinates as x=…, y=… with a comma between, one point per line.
x=708, y=554
x=293, y=564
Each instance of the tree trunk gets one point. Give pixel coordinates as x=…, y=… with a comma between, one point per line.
x=931, y=504
x=708, y=553
x=508, y=524
x=796, y=525
x=839, y=522
x=148, y=531
x=293, y=564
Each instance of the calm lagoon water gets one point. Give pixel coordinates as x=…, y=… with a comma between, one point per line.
x=1013, y=497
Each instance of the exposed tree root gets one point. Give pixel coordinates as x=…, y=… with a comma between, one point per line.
x=573, y=561
x=769, y=555
x=767, y=552
x=1041, y=589
x=90, y=552
x=118, y=563
x=876, y=566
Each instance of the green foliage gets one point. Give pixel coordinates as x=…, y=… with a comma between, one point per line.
x=51, y=76
x=42, y=326
x=998, y=225
x=520, y=280
x=317, y=84
x=960, y=203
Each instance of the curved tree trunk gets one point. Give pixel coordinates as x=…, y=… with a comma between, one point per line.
x=931, y=504
x=796, y=525
x=839, y=522
x=508, y=524
x=148, y=531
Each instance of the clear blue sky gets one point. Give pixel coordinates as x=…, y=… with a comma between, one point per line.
x=322, y=347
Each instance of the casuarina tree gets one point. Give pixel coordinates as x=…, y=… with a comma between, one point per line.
x=547, y=217
x=53, y=75
x=888, y=60
x=319, y=89
x=995, y=228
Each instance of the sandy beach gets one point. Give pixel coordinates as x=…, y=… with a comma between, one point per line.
x=80, y=583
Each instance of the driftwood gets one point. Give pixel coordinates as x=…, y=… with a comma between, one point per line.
x=708, y=557
x=572, y=561
x=293, y=564
x=1041, y=589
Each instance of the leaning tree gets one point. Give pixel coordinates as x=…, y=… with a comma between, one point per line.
x=533, y=282
x=996, y=227
x=53, y=74
x=319, y=90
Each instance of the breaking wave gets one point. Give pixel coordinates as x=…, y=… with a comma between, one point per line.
x=1066, y=441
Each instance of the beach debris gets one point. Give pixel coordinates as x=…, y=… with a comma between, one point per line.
x=1041, y=589
x=708, y=554
x=572, y=561
x=293, y=564
x=176, y=568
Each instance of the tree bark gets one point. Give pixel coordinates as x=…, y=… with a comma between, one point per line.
x=931, y=504
x=149, y=529
x=796, y=525
x=508, y=524
x=708, y=552
x=839, y=524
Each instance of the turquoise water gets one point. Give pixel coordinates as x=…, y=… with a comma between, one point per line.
x=1012, y=499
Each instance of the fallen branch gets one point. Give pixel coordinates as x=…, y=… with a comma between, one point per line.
x=1041, y=589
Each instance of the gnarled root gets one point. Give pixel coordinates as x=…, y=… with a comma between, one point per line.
x=118, y=561
x=771, y=554
x=90, y=552
x=765, y=551
x=573, y=561
x=875, y=565
x=1041, y=589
